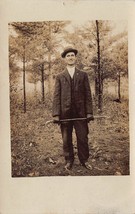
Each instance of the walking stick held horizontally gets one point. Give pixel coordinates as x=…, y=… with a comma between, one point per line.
x=75, y=119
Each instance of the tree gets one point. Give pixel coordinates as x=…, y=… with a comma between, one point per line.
x=52, y=42
x=120, y=60
x=99, y=79
x=95, y=35
x=23, y=39
x=37, y=44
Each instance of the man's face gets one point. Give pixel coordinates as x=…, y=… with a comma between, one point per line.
x=70, y=58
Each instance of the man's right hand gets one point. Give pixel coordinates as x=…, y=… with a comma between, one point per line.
x=56, y=119
x=89, y=117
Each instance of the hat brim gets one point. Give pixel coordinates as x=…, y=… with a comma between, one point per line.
x=64, y=53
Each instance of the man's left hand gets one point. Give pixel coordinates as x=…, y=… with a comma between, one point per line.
x=90, y=117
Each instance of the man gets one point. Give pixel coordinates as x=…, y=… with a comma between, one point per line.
x=72, y=99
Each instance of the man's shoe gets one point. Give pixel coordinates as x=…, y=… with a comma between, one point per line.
x=68, y=165
x=87, y=165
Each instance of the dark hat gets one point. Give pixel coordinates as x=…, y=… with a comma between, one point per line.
x=67, y=50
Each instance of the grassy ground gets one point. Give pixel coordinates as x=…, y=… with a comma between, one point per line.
x=36, y=149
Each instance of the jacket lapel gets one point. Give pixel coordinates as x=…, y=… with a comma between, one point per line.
x=76, y=76
x=67, y=76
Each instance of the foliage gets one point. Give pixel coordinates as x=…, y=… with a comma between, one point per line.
x=40, y=43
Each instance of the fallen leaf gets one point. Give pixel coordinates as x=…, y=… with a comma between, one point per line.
x=118, y=173
x=52, y=161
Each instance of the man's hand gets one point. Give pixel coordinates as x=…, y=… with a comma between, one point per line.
x=90, y=117
x=56, y=119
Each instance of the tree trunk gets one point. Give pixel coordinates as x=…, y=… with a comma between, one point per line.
x=49, y=69
x=49, y=60
x=119, y=93
x=43, y=90
x=24, y=82
x=99, y=70
x=96, y=84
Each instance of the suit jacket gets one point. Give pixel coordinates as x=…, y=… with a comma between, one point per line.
x=62, y=95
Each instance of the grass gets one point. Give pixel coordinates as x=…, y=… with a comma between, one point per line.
x=36, y=149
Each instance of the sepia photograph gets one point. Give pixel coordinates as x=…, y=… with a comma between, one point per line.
x=67, y=107
x=69, y=98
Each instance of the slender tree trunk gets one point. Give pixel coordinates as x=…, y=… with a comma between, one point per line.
x=119, y=85
x=99, y=70
x=49, y=69
x=96, y=84
x=24, y=82
x=102, y=86
x=49, y=59
x=43, y=90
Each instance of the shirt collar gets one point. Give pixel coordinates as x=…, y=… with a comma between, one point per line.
x=71, y=71
x=71, y=68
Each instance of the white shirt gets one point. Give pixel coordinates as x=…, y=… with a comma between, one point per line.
x=71, y=71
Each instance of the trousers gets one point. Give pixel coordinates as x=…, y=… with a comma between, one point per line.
x=81, y=130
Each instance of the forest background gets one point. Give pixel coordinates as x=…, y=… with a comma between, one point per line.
x=34, y=62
